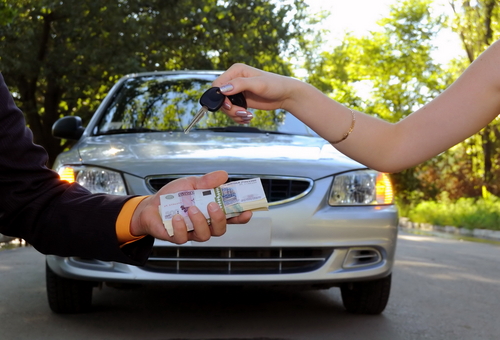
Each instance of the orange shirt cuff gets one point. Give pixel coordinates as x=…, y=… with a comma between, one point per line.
x=124, y=219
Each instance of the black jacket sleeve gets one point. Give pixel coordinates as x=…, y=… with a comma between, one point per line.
x=52, y=215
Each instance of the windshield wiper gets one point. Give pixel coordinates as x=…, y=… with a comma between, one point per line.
x=130, y=130
x=248, y=129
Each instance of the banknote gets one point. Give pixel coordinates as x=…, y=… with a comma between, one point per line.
x=233, y=198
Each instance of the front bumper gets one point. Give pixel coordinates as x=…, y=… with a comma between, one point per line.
x=294, y=243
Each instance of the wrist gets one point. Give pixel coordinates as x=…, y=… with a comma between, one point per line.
x=136, y=228
x=299, y=93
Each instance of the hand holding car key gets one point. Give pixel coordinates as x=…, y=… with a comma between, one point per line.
x=212, y=100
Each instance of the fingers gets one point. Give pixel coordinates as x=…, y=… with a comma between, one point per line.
x=262, y=90
x=217, y=219
x=241, y=219
x=233, y=76
x=207, y=181
x=210, y=180
x=180, y=235
x=230, y=85
x=147, y=220
x=202, y=230
x=239, y=114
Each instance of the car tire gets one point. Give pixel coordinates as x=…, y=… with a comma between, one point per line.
x=67, y=296
x=366, y=297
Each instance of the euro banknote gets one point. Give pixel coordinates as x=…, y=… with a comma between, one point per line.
x=233, y=198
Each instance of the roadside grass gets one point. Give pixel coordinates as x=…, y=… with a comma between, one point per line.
x=470, y=213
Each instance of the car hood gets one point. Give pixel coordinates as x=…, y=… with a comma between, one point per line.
x=200, y=152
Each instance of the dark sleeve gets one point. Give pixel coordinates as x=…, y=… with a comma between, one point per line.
x=54, y=216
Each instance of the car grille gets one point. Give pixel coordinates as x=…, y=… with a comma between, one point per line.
x=188, y=260
x=278, y=190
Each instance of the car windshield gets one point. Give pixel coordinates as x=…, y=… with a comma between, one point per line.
x=168, y=102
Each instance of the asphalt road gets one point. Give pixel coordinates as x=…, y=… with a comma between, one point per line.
x=442, y=289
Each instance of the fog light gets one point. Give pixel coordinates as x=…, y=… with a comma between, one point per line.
x=361, y=257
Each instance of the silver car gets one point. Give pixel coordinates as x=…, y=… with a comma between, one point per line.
x=331, y=222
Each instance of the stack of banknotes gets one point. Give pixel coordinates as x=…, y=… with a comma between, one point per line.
x=233, y=198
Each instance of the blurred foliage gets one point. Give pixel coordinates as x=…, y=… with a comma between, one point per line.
x=470, y=213
x=477, y=23
x=61, y=57
x=395, y=70
x=395, y=67
x=478, y=26
x=471, y=169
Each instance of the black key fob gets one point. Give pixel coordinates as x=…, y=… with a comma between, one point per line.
x=238, y=99
x=212, y=99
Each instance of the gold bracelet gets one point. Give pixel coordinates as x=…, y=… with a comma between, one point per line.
x=348, y=132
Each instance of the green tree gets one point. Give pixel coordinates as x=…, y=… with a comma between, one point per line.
x=472, y=167
x=478, y=26
x=61, y=57
x=395, y=65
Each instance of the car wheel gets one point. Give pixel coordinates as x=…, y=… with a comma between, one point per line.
x=67, y=296
x=366, y=297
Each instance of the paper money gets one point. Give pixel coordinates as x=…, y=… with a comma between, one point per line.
x=233, y=198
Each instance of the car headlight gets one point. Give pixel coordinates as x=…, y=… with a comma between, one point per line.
x=363, y=187
x=96, y=180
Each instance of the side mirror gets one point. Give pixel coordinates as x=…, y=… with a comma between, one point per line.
x=69, y=127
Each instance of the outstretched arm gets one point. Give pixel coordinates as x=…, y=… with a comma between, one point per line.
x=463, y=109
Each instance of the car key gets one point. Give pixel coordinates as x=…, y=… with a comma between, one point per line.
x=238, y=99
x=212, y=100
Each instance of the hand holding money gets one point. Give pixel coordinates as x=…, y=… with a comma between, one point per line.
x=233, y=198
